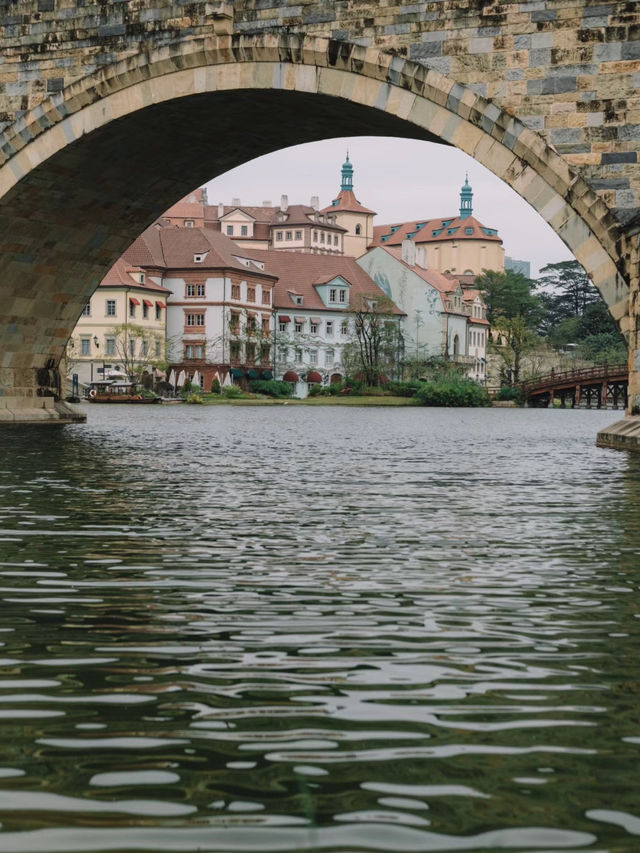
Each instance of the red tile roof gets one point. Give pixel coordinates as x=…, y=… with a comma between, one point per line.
x=346, y=201
x=394, y=234
x=122, y=274
x=298, y=273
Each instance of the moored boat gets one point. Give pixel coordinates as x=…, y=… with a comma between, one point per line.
x=110, y=391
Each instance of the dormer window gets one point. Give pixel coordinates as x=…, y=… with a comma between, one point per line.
x=298, y=300
x=141, y=278
x=198, y=259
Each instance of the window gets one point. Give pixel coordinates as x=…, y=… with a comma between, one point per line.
x=194, y=351
x=251, y=352
x=158, y=312
x=333, y=294
x=298, y=235
x=199, y=259
x=251, y=294
x=358, y=230
x=264, y=353
x=145, y=310
x=335, y=240
x=329, y=328
x=86, y=311
x=313, y=356
x=200, y=290
x=266, y=296
x=132, y=346
x=132, y=308
x=342, y=296
x=191, y=290
x=235, y=291
x=314, y=328
x=298, y=299
x=144, y=347
x=298, y=354
x=195, y=319
x=278, y=235
x=157, y=349
x=322, y=236
x=110, y=308
x=110, y=346
x=244, y=230
x=288, y=235
x=344, y=328
x=234, y=323
x=456, y=345
x=315, y=236
x=329, y=357
x=229, y=230
x=297, y=327
x=189, y=223
x=85, y=346
x=251, y=324
x=234, y=350
x=141, y=278
x=283, y=354
x=265, y=326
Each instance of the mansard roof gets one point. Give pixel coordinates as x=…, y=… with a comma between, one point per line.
x=433, y=231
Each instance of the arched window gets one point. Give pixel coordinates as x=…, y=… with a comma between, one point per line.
x=456, y=345
x=358, y=230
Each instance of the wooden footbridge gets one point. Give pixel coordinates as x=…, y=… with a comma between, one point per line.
x=601, y=387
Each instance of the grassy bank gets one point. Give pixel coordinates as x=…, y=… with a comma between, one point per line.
x=216, y=400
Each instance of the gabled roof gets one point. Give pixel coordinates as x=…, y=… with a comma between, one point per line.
x=433, y=231
x=347, y=203
x=301, y=273
x=445, y=285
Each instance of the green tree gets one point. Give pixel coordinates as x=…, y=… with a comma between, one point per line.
x=376, y=347
x=515, y=312
x=565, y=291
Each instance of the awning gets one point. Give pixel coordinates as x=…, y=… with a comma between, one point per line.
x=134, y=301
x=148, y=303
x=291, y=376
x=315, y=320
x=314, y=376
x=237, y=372
x=267, y=374
x=253, y=374
x=161, y=305
x=300, y=319
x=283, y=318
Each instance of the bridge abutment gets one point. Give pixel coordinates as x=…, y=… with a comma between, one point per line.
x=34, y=397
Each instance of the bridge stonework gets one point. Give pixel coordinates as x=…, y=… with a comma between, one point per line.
x=545, y=93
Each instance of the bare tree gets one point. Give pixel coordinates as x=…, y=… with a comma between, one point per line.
x=377, y=346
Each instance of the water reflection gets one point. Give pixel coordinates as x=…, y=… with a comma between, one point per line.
x=318, y=629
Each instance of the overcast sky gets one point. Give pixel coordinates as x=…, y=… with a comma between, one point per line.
x=402, y=180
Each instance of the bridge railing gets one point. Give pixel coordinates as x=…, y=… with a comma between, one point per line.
x=568, y=377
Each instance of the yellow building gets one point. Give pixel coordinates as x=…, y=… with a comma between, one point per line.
x=122, y=327
x=351, y=215
x=460, y=245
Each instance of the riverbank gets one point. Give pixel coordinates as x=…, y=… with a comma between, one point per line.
x=311, y=401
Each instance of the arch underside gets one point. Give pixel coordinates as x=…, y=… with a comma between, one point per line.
x=85, y=173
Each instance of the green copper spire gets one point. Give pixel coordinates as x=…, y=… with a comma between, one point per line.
x=347, y=174
x=466, y=199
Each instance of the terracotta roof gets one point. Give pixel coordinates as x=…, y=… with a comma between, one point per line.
x=298, y=272
x=175, y=248
x=346, y=201
x=122, y=274
x=296, y=214
x=432, y=231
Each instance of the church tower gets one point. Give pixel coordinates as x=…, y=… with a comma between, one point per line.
x=351, y=215
x=466, y=199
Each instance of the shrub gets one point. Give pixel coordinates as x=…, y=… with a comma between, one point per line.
x=452, y=392
x=194, y=397
x=232, y=392
x=271, y=387
x=404, y=389
x=510, y=392
x=316, y=390
x=215, y=386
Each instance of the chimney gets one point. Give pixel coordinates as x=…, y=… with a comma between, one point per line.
x=267, y=203
x=409, y=252
x=235, y=202
x=315, y=202
x=284, y=203
x=205, y=199
x=421, y=257
x=220, y=209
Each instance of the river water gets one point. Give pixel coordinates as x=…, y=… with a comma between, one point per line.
x=331, y=629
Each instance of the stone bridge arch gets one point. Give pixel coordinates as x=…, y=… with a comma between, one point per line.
x=82, y=174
